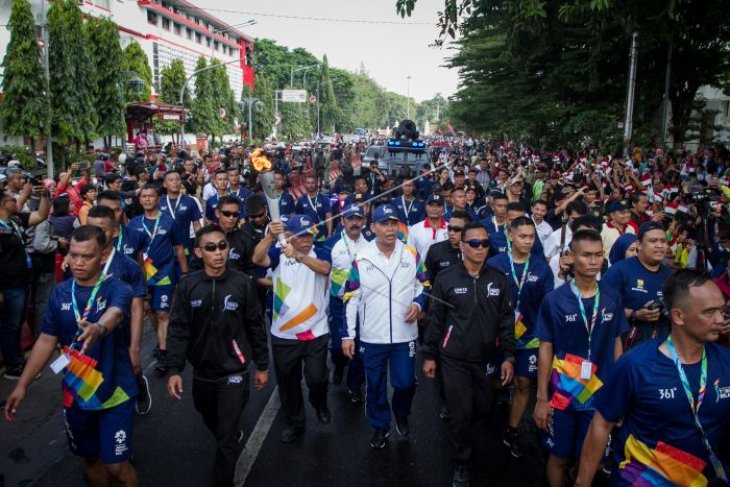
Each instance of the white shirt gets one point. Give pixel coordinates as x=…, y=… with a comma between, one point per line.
x=422, y=235
x=552, y=243
x=544, y=230
x=344, y=251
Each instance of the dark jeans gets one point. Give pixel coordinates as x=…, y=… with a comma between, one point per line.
x=221, y=404
x=288, y=358
x=11, y=321
x=468, y=390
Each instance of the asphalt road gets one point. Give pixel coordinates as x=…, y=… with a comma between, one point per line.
x=173, y=447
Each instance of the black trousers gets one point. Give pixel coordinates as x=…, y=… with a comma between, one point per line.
x=468, y=389
x=221, y=404
x=289, y=355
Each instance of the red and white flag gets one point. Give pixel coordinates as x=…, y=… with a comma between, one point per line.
x=670, y=207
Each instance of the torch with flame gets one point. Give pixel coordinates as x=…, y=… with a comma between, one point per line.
x=262, y=164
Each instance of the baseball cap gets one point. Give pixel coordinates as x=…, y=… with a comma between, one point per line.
x=352, y=211
x=435, y=198
x=298, y=224
x=617, y=205
x=384, y=213
x=648, y=227
x=358, y=197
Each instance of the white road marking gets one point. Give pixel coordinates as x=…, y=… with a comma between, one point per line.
x=256, y=440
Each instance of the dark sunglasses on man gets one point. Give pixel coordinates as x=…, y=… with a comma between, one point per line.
x=476, y=243
x=212, y=246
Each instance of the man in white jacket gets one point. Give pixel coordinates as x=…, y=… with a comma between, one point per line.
x=385, y=289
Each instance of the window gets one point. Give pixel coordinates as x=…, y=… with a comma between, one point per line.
x=207, y=41
x=198, y=38
x=165, y=23
x=151, y=17
x=103, y=4
x=178, y=29
x=216, y=45
x=189, y=32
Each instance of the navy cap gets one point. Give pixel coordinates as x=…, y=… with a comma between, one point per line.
x=352, y=211
x=298, y=224
x=648, y=227
x=359, y=197
x=435, y=198
x=384, y=213
x=617, y=205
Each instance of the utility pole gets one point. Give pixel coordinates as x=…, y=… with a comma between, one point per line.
x=276, y=113
x=408, y=97
x=47, y=69
x=630, y=92
x=665, y=105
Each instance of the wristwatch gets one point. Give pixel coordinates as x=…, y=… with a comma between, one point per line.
x=632, y=316
x=103, y=330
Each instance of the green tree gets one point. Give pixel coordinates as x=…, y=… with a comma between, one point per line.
x=172, y=79
x=24, y=108
x=107, y=57
x=203, y=111
x=263, y=120
x=330, y=113
x=223, y=99
x=136, y=64
x=72, y=102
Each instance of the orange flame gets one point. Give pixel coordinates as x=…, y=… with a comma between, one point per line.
x=260, y=162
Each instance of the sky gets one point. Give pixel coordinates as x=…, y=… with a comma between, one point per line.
x=390, y=52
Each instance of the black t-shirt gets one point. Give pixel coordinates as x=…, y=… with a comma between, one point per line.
x=13, y=256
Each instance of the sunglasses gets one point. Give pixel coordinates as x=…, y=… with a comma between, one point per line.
x=210, y=246
x=475, y=243
x=256, y=217
x=229, y=214
x=452, y=228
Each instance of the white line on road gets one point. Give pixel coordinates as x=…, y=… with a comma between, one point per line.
x=256, y=440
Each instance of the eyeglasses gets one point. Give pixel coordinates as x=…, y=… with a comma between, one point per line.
x=229, y=214
x=452, y=228
x=256, y=217
x=475, y=244
x=210, y=246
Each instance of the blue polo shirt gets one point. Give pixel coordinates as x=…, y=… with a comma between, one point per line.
x=409, y=212
x=159, y=255
x=286, y=204
x=559, y=321
x=129, y=242
x=316, y=209
x=658, y=442
x=538, y=283
x=184, y=211
x=103, y=377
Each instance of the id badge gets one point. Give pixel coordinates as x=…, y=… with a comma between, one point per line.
x=586, y=370
x=60, y=363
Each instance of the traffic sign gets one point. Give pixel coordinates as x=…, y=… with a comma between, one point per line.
x=293, y=96
x=312, y=99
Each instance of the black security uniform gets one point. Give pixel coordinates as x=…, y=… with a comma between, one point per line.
x=467, y=316
x=240, y=251
x=441, y=256
x=217, y=325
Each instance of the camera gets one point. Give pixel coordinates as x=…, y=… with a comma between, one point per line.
x=659, y=304
x=34, y=177
x=707, y=194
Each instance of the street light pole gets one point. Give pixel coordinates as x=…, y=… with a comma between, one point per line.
x=47, y=69
x=630, y=92
x=182, y=93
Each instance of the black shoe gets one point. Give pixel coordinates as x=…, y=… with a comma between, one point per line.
x=461, y=476
x=512, y=441
x=401, y=425
x=379, y=439
x=444, y=413
x=144, y=398
x=355, y=397
x=13, y=373
x=291, y=433
x=324, y=416
x=337, y=375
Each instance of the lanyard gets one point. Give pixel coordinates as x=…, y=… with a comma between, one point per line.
x=153, y=233
x=589, y=326
x=105, y=271
x=120, y=239
x=87, y=310
x=407, y=207
x=521, y=281
x=314, y=205
x=169, y=205
x=695, y=406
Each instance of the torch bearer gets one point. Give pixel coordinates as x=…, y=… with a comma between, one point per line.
x=266, y=177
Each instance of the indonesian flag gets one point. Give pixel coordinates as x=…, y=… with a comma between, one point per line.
x=670, y=207
x=683, y=207
x=646, y=180
x=658, y=197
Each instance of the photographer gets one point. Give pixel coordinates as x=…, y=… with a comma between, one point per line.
x=15, y=278
x=639, y=280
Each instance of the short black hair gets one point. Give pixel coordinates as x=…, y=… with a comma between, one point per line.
x=229, y=199
x=473, y=226
x=460, y=214
x=520, y=221
x=61, y=204
x=109, y=195
x=151, y=186
x=585, y=236
x=500, y=196
x=169, y=173
x=635, y=197
x=84, y=233
x=590, y=221
x=86, y=188
x=255, y=204
x=99, y=211
x=207, y=229
x=516, y=206
x=576, y=206
x=678, y=284
x=540, y=202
